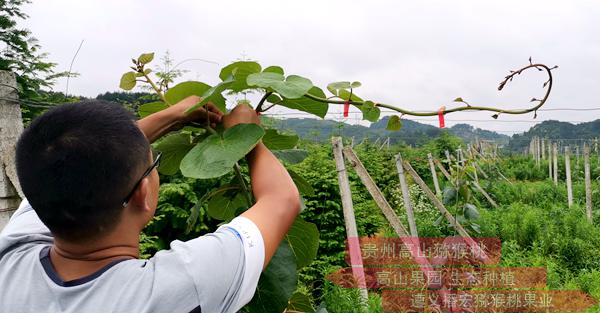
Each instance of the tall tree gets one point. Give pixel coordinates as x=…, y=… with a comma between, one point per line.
x=21, y=53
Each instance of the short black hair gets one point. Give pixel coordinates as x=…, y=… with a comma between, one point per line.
x=77, y=162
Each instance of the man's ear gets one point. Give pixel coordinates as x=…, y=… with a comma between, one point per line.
x=138, y=199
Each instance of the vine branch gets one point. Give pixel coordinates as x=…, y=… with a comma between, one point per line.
x=508, y=78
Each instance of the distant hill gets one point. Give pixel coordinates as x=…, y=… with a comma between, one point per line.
x=556, y=130
x=413, y=133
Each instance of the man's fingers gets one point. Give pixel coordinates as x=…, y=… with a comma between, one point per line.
x=213, y=108
x=214, y=117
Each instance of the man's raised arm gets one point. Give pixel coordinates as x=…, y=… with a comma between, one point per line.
x=277, y=198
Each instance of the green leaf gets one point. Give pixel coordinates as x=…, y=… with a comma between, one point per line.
x=146, y=58
x=223, y=205
x=308, y=105
x=449, y=195
x=274, y=69
x=303, y=186
x=292, y=87
x=370, y=111
x=394, y=123
x=276, y=141
x=277, y=282
x=465, y=192
x=128, y=81
x=355, y=84
x=215, y=156
x=291, y=156
x=150, y=108
x=214, y=95
x=303, y=238
x=193, y=88
x=173, y=147
x=300, y=303
x=471, y=212
x=335, y=88
x=239, y=71
x=274, y=98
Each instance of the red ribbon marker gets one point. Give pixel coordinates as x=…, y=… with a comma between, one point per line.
x=346, y=108
x=441, y=117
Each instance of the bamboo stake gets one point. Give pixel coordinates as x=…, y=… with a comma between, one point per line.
x=366, y=179
x=438, y=204
x=436, y=184
x=390, y=215
x=477, y=167
x=349, y=220
x=406, y=196
x=443, y=170
x=484, y=193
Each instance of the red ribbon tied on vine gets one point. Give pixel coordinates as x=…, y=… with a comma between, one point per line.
x=441, y=117
x=346, y=108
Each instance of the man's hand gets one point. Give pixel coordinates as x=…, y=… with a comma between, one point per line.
x=173, y=118
x=242, y=114
x=212, y=116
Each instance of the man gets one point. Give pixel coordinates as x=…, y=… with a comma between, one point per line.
x=91, y=185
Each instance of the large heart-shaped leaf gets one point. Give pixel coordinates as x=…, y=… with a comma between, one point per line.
x=471, y=212
x=394, y=123
x=276, y=141
x=370, y=111
x=193, y=88
x=174, y=148
x=277, y=282
x=303, y=186
x=300, y=303
x=334, y=88
x=291, y=156
x=215, y=156
x=309, y=105
x=223, y=205
x=291, y=87
x=239, y=71
x=151, y=108
x=214, y=95
x=303, y=238
x=274, y=69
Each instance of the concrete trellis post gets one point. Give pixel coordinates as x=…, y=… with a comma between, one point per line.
x=555, y=162
x=549, y=160
x=588, y=182
x=568, y=174
x=11, y=127
x=543, y=149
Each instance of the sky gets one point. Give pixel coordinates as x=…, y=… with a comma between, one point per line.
x=418, y=55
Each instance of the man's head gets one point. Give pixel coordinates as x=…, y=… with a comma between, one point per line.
x=78, y=162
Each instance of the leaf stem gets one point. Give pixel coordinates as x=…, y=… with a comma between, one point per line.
x=262, y=101
x=246, y=191
x=156, y=89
